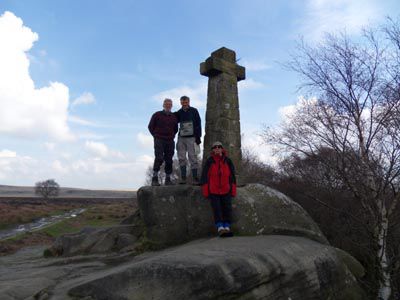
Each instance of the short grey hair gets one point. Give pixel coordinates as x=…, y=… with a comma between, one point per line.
x=167, y=100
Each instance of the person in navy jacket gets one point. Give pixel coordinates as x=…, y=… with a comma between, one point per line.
x=219, y=186
x=189, y=135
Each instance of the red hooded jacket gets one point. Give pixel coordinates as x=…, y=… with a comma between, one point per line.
x=218, y=176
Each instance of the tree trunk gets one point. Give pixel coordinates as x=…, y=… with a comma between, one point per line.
x=385, y=285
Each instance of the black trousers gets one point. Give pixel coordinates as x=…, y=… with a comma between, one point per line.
x=222, y=207
x=163, y=151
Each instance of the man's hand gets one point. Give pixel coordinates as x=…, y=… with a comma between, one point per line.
x=198, y=141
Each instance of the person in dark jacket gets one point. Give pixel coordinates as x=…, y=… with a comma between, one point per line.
x=163, y=127
x=219, y=186
x=189, y=135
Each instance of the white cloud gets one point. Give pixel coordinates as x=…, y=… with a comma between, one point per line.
x=288, y=111
x=145, y=159
x=14, y=166
x=59, y=167
x=85, y=98
x=80, y=121
x=100, y=150
x=255, y=65
x=146, y=141
x=105, y=169
x=197, y=94
x=67, y=170
x=329, y=16
x=250, y=84
x=7, y=154
x=42, y=53
x=85, y=135
x=49, y=146
x=126, y=174
x=97, y=148
x=25, y=110
x=252, y=141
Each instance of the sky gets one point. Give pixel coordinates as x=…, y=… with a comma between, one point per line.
x=79, y=80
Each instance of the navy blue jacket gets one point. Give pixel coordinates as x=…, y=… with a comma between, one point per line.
x=191, y=114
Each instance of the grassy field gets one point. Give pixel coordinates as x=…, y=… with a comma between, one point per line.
x=101, y=210
x=28, y=191
x=100, y=215
x=13, y=214
x=96, y=215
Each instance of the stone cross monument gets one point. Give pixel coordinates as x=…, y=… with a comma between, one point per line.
x=222, y=114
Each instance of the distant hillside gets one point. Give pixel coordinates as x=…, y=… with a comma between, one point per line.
x=28, y=191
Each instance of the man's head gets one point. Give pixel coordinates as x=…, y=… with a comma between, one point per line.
x=167, y=105
x=217, y=148
x=185, y=102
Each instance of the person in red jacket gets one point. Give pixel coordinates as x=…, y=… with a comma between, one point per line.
x=219, y=186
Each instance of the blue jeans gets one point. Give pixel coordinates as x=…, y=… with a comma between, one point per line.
x=222, y=207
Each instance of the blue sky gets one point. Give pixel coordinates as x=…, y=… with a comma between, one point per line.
x=79, y=80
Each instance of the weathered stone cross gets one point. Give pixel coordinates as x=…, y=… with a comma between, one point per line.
x=222, y=114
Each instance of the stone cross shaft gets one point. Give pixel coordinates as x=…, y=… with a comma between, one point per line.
x=222, y=114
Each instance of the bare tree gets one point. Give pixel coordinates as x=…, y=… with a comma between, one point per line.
x=253, y=170
x=320, y=190
x=174, y=176
x=47, y=189
x=353, y=111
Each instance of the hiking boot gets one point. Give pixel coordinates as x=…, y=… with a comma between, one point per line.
x=154, y=181
x=221, y=230
x=168, y=181
x=227, y=226
x=195, y=179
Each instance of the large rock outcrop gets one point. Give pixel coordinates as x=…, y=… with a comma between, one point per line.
x=270, y=267
x=173, y=215
x=278, y=253
x=263, y=267
x=91, y=240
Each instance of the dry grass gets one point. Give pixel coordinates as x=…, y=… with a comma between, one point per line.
x=12, y=214
x=96, y=215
